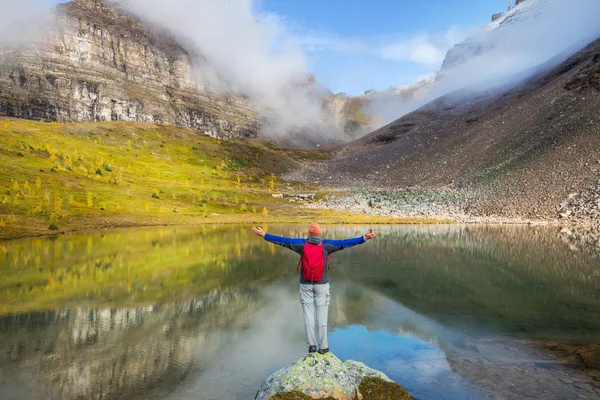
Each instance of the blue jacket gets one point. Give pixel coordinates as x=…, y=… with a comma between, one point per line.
x=329, y=247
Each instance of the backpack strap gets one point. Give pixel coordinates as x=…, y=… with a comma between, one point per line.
x=301, y=255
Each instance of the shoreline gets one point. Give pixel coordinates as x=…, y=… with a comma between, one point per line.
x=9, y=234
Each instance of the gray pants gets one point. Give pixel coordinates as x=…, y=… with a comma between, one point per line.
x=315, y=306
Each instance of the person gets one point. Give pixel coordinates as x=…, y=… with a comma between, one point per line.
x=314, y=282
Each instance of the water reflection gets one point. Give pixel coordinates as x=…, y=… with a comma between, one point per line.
x=112, y=353
x=124, y=267
x=207, y=313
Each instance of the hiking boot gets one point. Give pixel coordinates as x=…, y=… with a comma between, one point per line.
x=324, y=351
x=312, y=349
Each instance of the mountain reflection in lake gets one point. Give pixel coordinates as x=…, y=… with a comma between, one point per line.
x=449, y=312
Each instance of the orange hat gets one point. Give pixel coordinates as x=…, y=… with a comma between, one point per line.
x=314, y=229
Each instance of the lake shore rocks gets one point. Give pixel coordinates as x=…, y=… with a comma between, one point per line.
x=325, y=376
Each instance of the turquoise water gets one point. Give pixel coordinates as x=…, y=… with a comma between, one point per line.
x=449, y=312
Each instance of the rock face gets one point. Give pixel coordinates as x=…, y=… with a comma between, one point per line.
x=319, y=376
x=486, y=40
x=99, y=63
x=496, y=16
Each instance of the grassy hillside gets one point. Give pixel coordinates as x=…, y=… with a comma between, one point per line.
x=65, y=177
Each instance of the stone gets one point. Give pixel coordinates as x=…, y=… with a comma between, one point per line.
x=320, y=376
x=358, y=371
x=497, y=16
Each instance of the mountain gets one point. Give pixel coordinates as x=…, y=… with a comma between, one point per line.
x=519, y=150
x=523, y=13
x=100, y=63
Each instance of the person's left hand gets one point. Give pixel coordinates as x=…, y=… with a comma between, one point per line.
x=258, y=231
x=370, y=235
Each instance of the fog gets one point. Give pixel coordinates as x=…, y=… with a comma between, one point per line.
x=534, y=36
x=254, y=54
x=23, y=20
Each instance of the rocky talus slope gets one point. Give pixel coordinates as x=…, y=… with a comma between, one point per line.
x=99, y=63
x=519, y=151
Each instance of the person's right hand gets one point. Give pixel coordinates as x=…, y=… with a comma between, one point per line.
x=258, y=231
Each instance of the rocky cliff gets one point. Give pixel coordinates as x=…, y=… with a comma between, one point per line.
x=100, y=63
x=488, y=38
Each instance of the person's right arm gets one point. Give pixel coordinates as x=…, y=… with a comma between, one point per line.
x=296, y=245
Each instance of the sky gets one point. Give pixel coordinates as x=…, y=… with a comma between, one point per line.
x=356, y=45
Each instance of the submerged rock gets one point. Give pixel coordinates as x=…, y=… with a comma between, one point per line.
x=319, y=376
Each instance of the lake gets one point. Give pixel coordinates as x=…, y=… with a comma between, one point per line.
x=177, y=313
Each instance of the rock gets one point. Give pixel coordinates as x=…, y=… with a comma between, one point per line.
x=358, y=371
x=325, y=376
x=496, y=16
x=299, y=196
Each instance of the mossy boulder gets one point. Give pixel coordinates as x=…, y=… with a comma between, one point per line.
x=319, y=376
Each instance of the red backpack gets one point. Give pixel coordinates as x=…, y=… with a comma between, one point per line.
x=313, y=262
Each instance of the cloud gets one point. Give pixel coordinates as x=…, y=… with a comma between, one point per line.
x=23, y=20
x=537, y=35
x=425, y=49
x=317, y=41
x=253, y=53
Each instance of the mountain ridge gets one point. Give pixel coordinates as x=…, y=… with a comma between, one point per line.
x=518, y=151
x=102, y=62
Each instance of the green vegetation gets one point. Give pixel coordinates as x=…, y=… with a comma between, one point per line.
x=125, y=267
x=68, y=177
x=71, y=172
x=295, y=395
x=371, y=388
